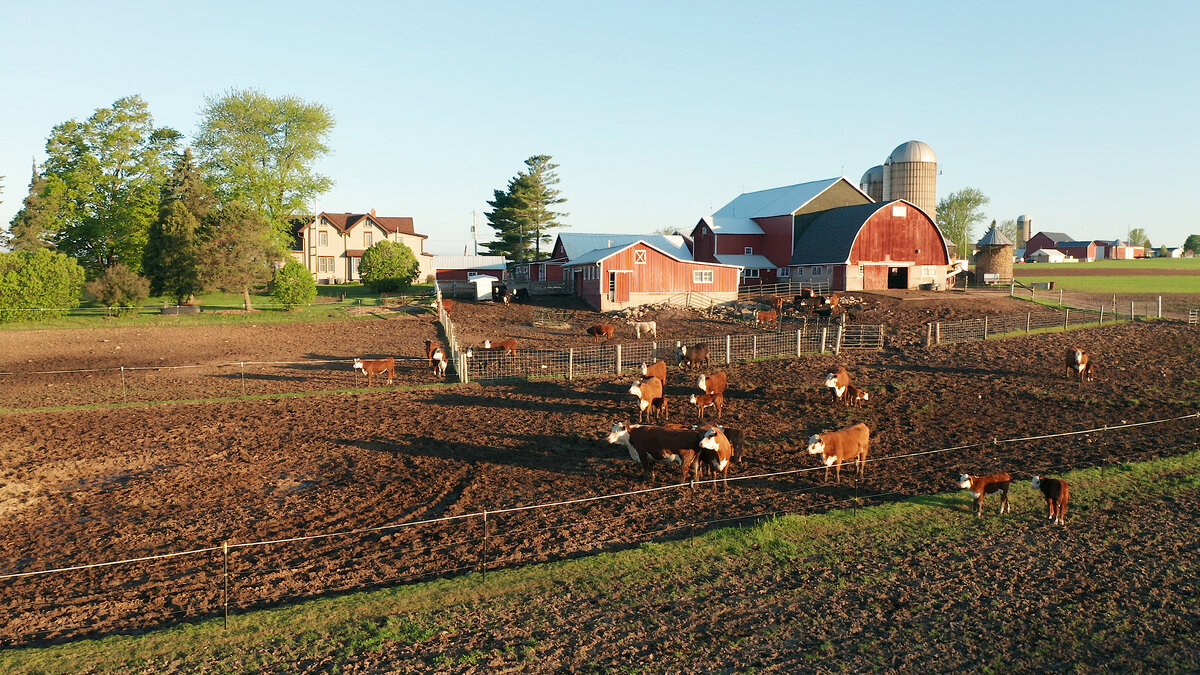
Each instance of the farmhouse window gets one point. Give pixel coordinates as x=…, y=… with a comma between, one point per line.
x=325, y=264
x=367, y=237
x=323, y=238
x=749, y=250
x=862, y=270
x=702, y=276
x=639, y=257
x=751, y=273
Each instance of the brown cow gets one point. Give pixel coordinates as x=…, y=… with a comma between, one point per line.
x=713, y=384
x=430, y=345
x=374, y=367
x=602, y=330
x=777, y=303
x=986, y=485
x=650, y=398
x=738, y=440
x=447, y=305
x=657, y=369
x=836, y=447
x=439, y=360
x=708, y=400
x=659, y=445
x=693, y=356
x=838, y=381
x=766, y=318
x=716, y=452
x=1079, y=364
x=1057, y=493
x=507, y=345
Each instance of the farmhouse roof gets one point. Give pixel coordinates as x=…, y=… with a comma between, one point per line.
x=580, y=243
x=343, y=222
x=1074, y=244
x=596, y=255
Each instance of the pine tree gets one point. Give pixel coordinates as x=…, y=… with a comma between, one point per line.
x=40, y=217
x=522, y=213
x=171, y=260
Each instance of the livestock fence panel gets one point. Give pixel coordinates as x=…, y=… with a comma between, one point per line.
x=1193, y=317
x=971, y=330
x=788, y=288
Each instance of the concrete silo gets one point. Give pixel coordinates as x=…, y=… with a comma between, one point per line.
x=872, y=183
x=1024, y=230
x=910, y=173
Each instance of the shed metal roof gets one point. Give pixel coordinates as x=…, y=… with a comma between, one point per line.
x=470, y=262
x=580, y=243
x=761, y=262
x=778, y=201
x=596, y=255
x=994, y=237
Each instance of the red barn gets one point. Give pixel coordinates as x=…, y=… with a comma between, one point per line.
x=639, y=273
x=872, y=246
x=569, y=246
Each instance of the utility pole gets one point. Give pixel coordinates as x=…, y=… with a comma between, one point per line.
x=474, y=228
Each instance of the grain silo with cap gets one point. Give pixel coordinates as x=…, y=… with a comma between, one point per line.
x=872, y=183
x=994, y=261
x=910, y=173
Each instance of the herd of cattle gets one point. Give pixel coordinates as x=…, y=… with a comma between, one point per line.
x=710, y=448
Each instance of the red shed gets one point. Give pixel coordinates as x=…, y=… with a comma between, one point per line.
x=872, y=246
x=639, y=274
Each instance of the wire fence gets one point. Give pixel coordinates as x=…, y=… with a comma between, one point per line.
x=971, y=330
x=74, y=600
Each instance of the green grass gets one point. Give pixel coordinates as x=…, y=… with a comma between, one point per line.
x=1142, y=263
x=803, y=546
x=1145, y=284
x=330, y=305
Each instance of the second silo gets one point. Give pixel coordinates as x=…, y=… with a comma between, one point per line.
x=872, y=183
x=910, y=173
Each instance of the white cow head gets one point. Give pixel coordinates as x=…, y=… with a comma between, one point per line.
x=487, y=344
x=816, y=446
x=701, y=382
x=619, y=432
x=709, y=441
x=1037, y=482
x=692, y=400
x=645, y=370
x=358, y=364
x=831, y=380
x=964, y=481
x=636, y=389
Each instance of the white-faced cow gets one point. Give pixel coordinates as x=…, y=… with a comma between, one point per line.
x=693, y=356
x=1057, y=494
x=838, y=381
x=836, y=447
x=439, y=360
x=1079, y=364
x=713, y=384
x=716, y=452
x=650, y=398
x=447, y=305
x=706, y=401
x=657, y=369
x=986, y=485
x=659, y=445
x=375, y=367
x=507, y=345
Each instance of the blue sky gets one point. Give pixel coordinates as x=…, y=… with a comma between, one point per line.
x=1081, y=115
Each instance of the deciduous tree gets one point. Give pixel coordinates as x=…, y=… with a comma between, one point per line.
x=293, y=285
x=1192, y=243
x=958, y=213
x=112, y=167
x=261, y=151
x=388, y=266
x=1138, y=237
x=120, y=289
x=239, y=250
x=38, y=284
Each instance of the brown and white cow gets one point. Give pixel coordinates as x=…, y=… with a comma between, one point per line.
x=713, y=384
x=430, y=345
x=650, y=445
x=766, y=318
x=602, y=330
x=706, y=401
x=657, y=369
x=1079, y=364
x=693, y=356
x=507, y=345
x=650, y=398
x=1057, y=494
x=439, y=360
x=838, y=381
x=447, y=305
x=375, y=367
x=836, y=447
x=981, y=486
x=777, y=303
x=716, y=452
x=855, y=397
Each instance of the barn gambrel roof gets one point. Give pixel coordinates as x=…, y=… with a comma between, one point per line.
x=828, y=239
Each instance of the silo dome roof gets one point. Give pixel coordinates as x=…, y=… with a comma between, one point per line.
x=912, y=151
x=873, y=175
x=1022, y=218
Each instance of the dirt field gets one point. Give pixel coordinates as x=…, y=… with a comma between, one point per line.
x=88, y=486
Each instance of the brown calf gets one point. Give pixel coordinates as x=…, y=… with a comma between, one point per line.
x=447, y=305
x=708, y=400
x=986, y=485
x=716, y=452
x=765, y=318
x=377, y=366
x=650, y=398
x=507, y=345
x=1057, y=494
x=1079, y=364
x=439, y=360
x=839, y=382
x=602, y=330
x=657, y=369
x=836, y=447
x=693, y=356
x=713, y=384
x=855, y=397
x=430, y=345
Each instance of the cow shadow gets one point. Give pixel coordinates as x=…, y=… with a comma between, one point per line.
x=542, y=453
x=946, y=370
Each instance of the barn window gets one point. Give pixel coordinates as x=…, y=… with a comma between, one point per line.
x=749, y=250
x=323, y=238
x=785, y=272
x=899, y=211
x=816, y=270
x=861, y=270
x=751, y=273
x=639, y=257
x=702, y=276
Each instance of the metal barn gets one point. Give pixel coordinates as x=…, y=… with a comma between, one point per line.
x=638, y=274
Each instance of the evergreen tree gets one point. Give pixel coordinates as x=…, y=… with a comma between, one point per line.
x=170, y=260
x=522, y=213
x=40, y=217
x=238, y=251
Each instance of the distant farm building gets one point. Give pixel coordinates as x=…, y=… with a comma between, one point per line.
x=1047, y=255
x=461, y=267
x=640, y=273
x=570, y=246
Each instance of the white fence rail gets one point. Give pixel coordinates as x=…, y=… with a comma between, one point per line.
x=971, y=330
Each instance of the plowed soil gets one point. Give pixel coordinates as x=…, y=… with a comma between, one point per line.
x=118, y=482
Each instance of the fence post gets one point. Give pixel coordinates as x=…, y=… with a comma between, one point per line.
x=1060, y=295
x=653, y=351
x=618, y=359
x=243, y=378
x=837, y=348
x=798, y=342
x=1131, y=310
x=1160, y=306
x=225, y=575
x=1066, y=318
x=985, y=322
x=881, y=336
x=1028, y=320
x=1101, y=314
x=124, y=396
x=1012, y=288
x=463, y=376
x=938, y=333
x=728, y=349
x=824, y=335
x=928, y=334
x=483, y=557
x=571, y=363
x=753, y=346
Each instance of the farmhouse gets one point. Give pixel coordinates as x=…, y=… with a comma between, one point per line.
x=870, y=247
x=639, y=273
x=331, y=245
x=460, y=267
x=758, y=230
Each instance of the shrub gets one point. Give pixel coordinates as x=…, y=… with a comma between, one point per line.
x=120, y=288
x=388, y=266
x=293, y=285
x=43, y=280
